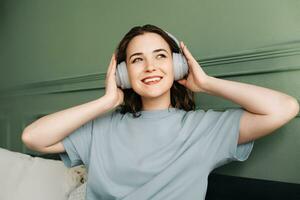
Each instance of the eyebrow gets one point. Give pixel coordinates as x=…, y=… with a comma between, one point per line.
x=139, y=53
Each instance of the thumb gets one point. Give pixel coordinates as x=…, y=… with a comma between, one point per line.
x=182, y=81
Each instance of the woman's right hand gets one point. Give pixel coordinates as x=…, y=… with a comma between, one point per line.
x=112, y=92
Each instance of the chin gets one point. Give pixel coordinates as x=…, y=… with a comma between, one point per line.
x=153, y=95
x=152, y=91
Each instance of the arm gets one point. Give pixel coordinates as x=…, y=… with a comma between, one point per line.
x=267, y=109
x=45, y=134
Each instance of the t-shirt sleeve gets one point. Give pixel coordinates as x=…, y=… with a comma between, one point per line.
x=223, y=137
x=77, y=146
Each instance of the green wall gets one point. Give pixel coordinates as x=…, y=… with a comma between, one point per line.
x=54, y=55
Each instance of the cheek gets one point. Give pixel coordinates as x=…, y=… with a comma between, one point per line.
x=171, y=71
x=170, y=80
x=133, y=76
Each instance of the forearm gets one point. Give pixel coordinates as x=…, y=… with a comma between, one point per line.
x=253, y=98
x=52, y=128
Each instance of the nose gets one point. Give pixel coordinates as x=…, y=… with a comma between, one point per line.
x=150, y=66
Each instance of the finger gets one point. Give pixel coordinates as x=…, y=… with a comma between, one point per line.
x=111, y=59
x=112, y=75
x=186, y=51
x=181, y=45
x=110, y=65
x=114, y=64
x=188, y=54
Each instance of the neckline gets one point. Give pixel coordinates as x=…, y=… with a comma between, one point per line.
x=151, y=114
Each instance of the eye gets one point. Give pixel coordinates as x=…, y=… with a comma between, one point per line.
x=135, y=60
x=162, y=55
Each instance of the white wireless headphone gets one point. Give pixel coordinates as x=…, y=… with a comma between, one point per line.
x=179, y=64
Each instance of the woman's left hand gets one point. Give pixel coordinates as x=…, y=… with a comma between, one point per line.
x=196, y=78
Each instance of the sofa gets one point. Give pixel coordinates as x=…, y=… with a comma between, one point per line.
x=34, y=178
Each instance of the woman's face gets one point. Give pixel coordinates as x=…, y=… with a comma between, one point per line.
x=150, y=55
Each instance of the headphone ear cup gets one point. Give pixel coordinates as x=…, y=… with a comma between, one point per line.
x=122, y=78
x=180, y=66
x=179, y=62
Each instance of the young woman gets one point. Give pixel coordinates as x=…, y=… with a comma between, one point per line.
x=148, y=141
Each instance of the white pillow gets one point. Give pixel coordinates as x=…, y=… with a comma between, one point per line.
x=78, y=193
x=34, y=178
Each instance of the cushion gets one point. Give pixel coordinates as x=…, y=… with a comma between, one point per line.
x=78, y=193
x=34, y=178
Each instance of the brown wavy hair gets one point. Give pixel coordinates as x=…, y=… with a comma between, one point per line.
x=181, y=97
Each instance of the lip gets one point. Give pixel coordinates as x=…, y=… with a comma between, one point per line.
x=156, y=76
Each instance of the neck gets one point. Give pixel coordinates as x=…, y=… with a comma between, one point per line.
x=157, y=103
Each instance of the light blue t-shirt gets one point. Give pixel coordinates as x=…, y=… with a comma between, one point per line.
x=162, y=155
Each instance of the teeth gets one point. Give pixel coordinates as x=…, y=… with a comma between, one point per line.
x=151, y=79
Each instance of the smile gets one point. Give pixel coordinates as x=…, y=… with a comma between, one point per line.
x=151, y=81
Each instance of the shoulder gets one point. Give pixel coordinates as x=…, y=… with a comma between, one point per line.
x=222, y=112
x=214, y=115
x=107, y=117
x=195, y=113
x=192, y=116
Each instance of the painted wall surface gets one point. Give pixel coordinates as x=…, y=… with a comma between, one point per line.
x=54, y=55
